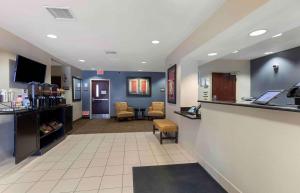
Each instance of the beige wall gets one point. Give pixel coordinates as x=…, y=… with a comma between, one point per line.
x=231, y=12
x=189, y=83
x=255, y=150
x=240, y=67
x=246, y=150
x=170, y=108
x=11, y=46
x=5, y=57
x=187, y=88
x=77, y=105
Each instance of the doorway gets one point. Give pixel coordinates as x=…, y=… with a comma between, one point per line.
x=223, y=87
x=100, y=99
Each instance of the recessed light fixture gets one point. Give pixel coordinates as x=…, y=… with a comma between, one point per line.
x=276, y=36
x=155, y=42
x=258, y=32
x=52, y=36
x=140, y=70
x=235, y=52
x=212, y=54
x=268, y=53
x=81, y=60
x=144, y=62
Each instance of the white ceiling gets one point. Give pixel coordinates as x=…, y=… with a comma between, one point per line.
x=288, y=40
x=124, y=26
x=276, y=16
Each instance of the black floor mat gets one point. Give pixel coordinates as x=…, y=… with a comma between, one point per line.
x=181, y=178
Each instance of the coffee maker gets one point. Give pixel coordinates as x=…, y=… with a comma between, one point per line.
x=47, y=94
x=44, y=95
x=34, y=93
x=56, y=93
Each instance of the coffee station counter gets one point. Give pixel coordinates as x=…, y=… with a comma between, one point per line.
x=33, y=131
x=11, y=111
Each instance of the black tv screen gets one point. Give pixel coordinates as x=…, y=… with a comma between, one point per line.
x=29, y=71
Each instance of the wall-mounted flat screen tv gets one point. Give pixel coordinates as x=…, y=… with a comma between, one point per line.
x=29, y=71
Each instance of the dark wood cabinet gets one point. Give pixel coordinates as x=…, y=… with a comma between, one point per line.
x=26, y=135
x=68, y=121
x=30, y=140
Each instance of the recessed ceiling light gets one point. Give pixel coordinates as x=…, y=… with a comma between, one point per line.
x=140, y=70
x=52, y=36
x=258, y=33
x=212, y=54
x=144, y=62
x=276, y=36
x=81, y=60
x=235, y=52
x=155, y=42
x=268, y=53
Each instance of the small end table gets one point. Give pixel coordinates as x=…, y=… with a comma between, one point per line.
x=139, y=113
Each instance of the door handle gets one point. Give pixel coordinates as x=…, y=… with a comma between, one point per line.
x=100, y=99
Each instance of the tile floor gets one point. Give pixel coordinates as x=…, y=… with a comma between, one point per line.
x=92, y=163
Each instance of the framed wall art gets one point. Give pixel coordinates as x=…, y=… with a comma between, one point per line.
x=171, y=94
x=76, y=88
x=139, y=86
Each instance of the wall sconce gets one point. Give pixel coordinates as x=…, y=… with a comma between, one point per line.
x=276, y=68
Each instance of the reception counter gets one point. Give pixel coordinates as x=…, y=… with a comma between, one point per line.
x=184, y=113
x=291, y=108
x=246, y=147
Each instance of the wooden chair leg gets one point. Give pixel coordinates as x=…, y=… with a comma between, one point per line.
x=153, y=129
x=160, y=137
x=176, y=137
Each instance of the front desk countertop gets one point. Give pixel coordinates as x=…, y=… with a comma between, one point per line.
x=189, y=116
x=290, y=108
x=183, y=112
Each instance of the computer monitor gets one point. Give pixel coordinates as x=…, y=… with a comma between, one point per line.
x=267, y=97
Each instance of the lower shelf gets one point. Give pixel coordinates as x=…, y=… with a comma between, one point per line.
x=50, y=133
x=49, y=146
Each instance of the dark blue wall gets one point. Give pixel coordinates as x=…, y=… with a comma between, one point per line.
x=118, y=88
x=263, y=77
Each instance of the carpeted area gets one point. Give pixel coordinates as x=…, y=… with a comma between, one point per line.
x=182, y=178
x=86, y=126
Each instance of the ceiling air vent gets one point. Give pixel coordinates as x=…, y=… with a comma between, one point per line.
x=110, y=52
x=60, y=13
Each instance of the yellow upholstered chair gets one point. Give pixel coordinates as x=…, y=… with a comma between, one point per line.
x=123, y=111
x=156, y=110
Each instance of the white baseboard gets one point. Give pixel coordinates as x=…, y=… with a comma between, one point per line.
x=221, y=179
